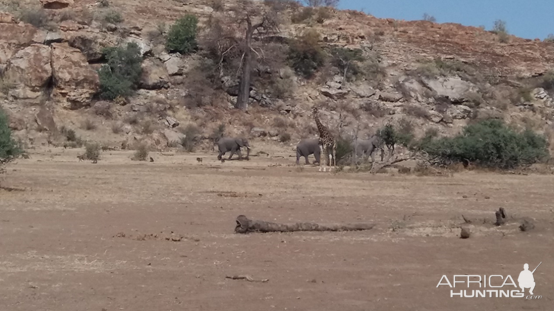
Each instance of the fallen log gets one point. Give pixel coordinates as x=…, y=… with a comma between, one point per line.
x=245, y=225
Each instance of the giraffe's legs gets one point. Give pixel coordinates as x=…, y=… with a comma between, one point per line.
x=326, y=158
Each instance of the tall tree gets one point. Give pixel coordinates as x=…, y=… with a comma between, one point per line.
x=236, y=30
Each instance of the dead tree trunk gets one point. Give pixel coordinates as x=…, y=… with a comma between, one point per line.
x=246, y=74
x=245, y=225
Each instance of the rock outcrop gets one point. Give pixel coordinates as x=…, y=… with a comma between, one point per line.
x=74, y=79
x=29, y=70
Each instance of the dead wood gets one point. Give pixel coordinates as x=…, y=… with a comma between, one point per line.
x=246, y=277
x=245, y=225
x=376, y=167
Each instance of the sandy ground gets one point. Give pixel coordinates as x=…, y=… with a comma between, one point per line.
x=83, y=236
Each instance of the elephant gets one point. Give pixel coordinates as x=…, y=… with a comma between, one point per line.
x=233, y=144
x=367, y=147
x=306, y=147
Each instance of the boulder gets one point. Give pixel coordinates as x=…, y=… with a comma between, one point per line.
x=362, y=90
x=56, y=4
x=459, y=112
x=20, y=34
x=171, y=122
x=333, y=93
x=258, y=132
x=7, y=18
x=53, y=37
x=91, y=44
x=30, y=71
x=74, y=79
x=174, y=65
x=434, y=116
x=452, y=88
x=173, y=137
x=154, y=74
x=143, y=45
x=390, y=97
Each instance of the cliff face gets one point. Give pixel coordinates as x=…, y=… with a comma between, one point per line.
x=417, y=74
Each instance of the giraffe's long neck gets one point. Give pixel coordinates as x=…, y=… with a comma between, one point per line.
x=320, y=127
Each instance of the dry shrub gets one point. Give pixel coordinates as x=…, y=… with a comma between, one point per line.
x=284, y=137
x=88, y=125
x=302, y=15
x=279, y=122
x=92, y=151
x=404, y=170
x=103, y=110
x=190, y=140
x=216, y=5
x=132, y=119
x=141, y=153
x=117, y=127
x=416, y=111
x=147, y=127
x=375, y=109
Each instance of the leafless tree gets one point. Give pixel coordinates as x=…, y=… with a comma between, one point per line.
x=234, y=32
x=318, y=3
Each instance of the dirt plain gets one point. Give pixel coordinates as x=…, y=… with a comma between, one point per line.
x=126, y=235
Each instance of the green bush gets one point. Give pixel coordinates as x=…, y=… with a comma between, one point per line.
x=121, y=75
x=9, y=149
x=305, y=54
x=344, y=148
x=182, y=35
x=347, y=59
x=489, y=143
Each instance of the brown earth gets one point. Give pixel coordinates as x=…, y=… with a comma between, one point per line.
x=122, y=235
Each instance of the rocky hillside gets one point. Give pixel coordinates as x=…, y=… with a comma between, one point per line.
x=419, y=75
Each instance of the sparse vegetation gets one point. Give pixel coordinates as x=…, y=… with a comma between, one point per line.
x=489, y=143
x=500, y=29
x=284, y=137
x=35, y=16
x=141, y=154
x=92, y=151
x=416, y=111
x=305, y=54
x=111, y=16
x=191, y=136
x=121, y=75
x=147, y=127
x=182, y=35
x=117, y=127
x=429, y=18
x=88, y=125
x=9, y=148
x=347, y=61
x=549, y=38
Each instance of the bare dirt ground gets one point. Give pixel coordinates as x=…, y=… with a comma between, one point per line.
x=83, y=236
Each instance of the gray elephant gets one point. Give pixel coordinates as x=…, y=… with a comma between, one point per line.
x=367, y=147
x=306, y=147
x=233, y=144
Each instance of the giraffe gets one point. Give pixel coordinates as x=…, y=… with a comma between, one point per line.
x=327, y=142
